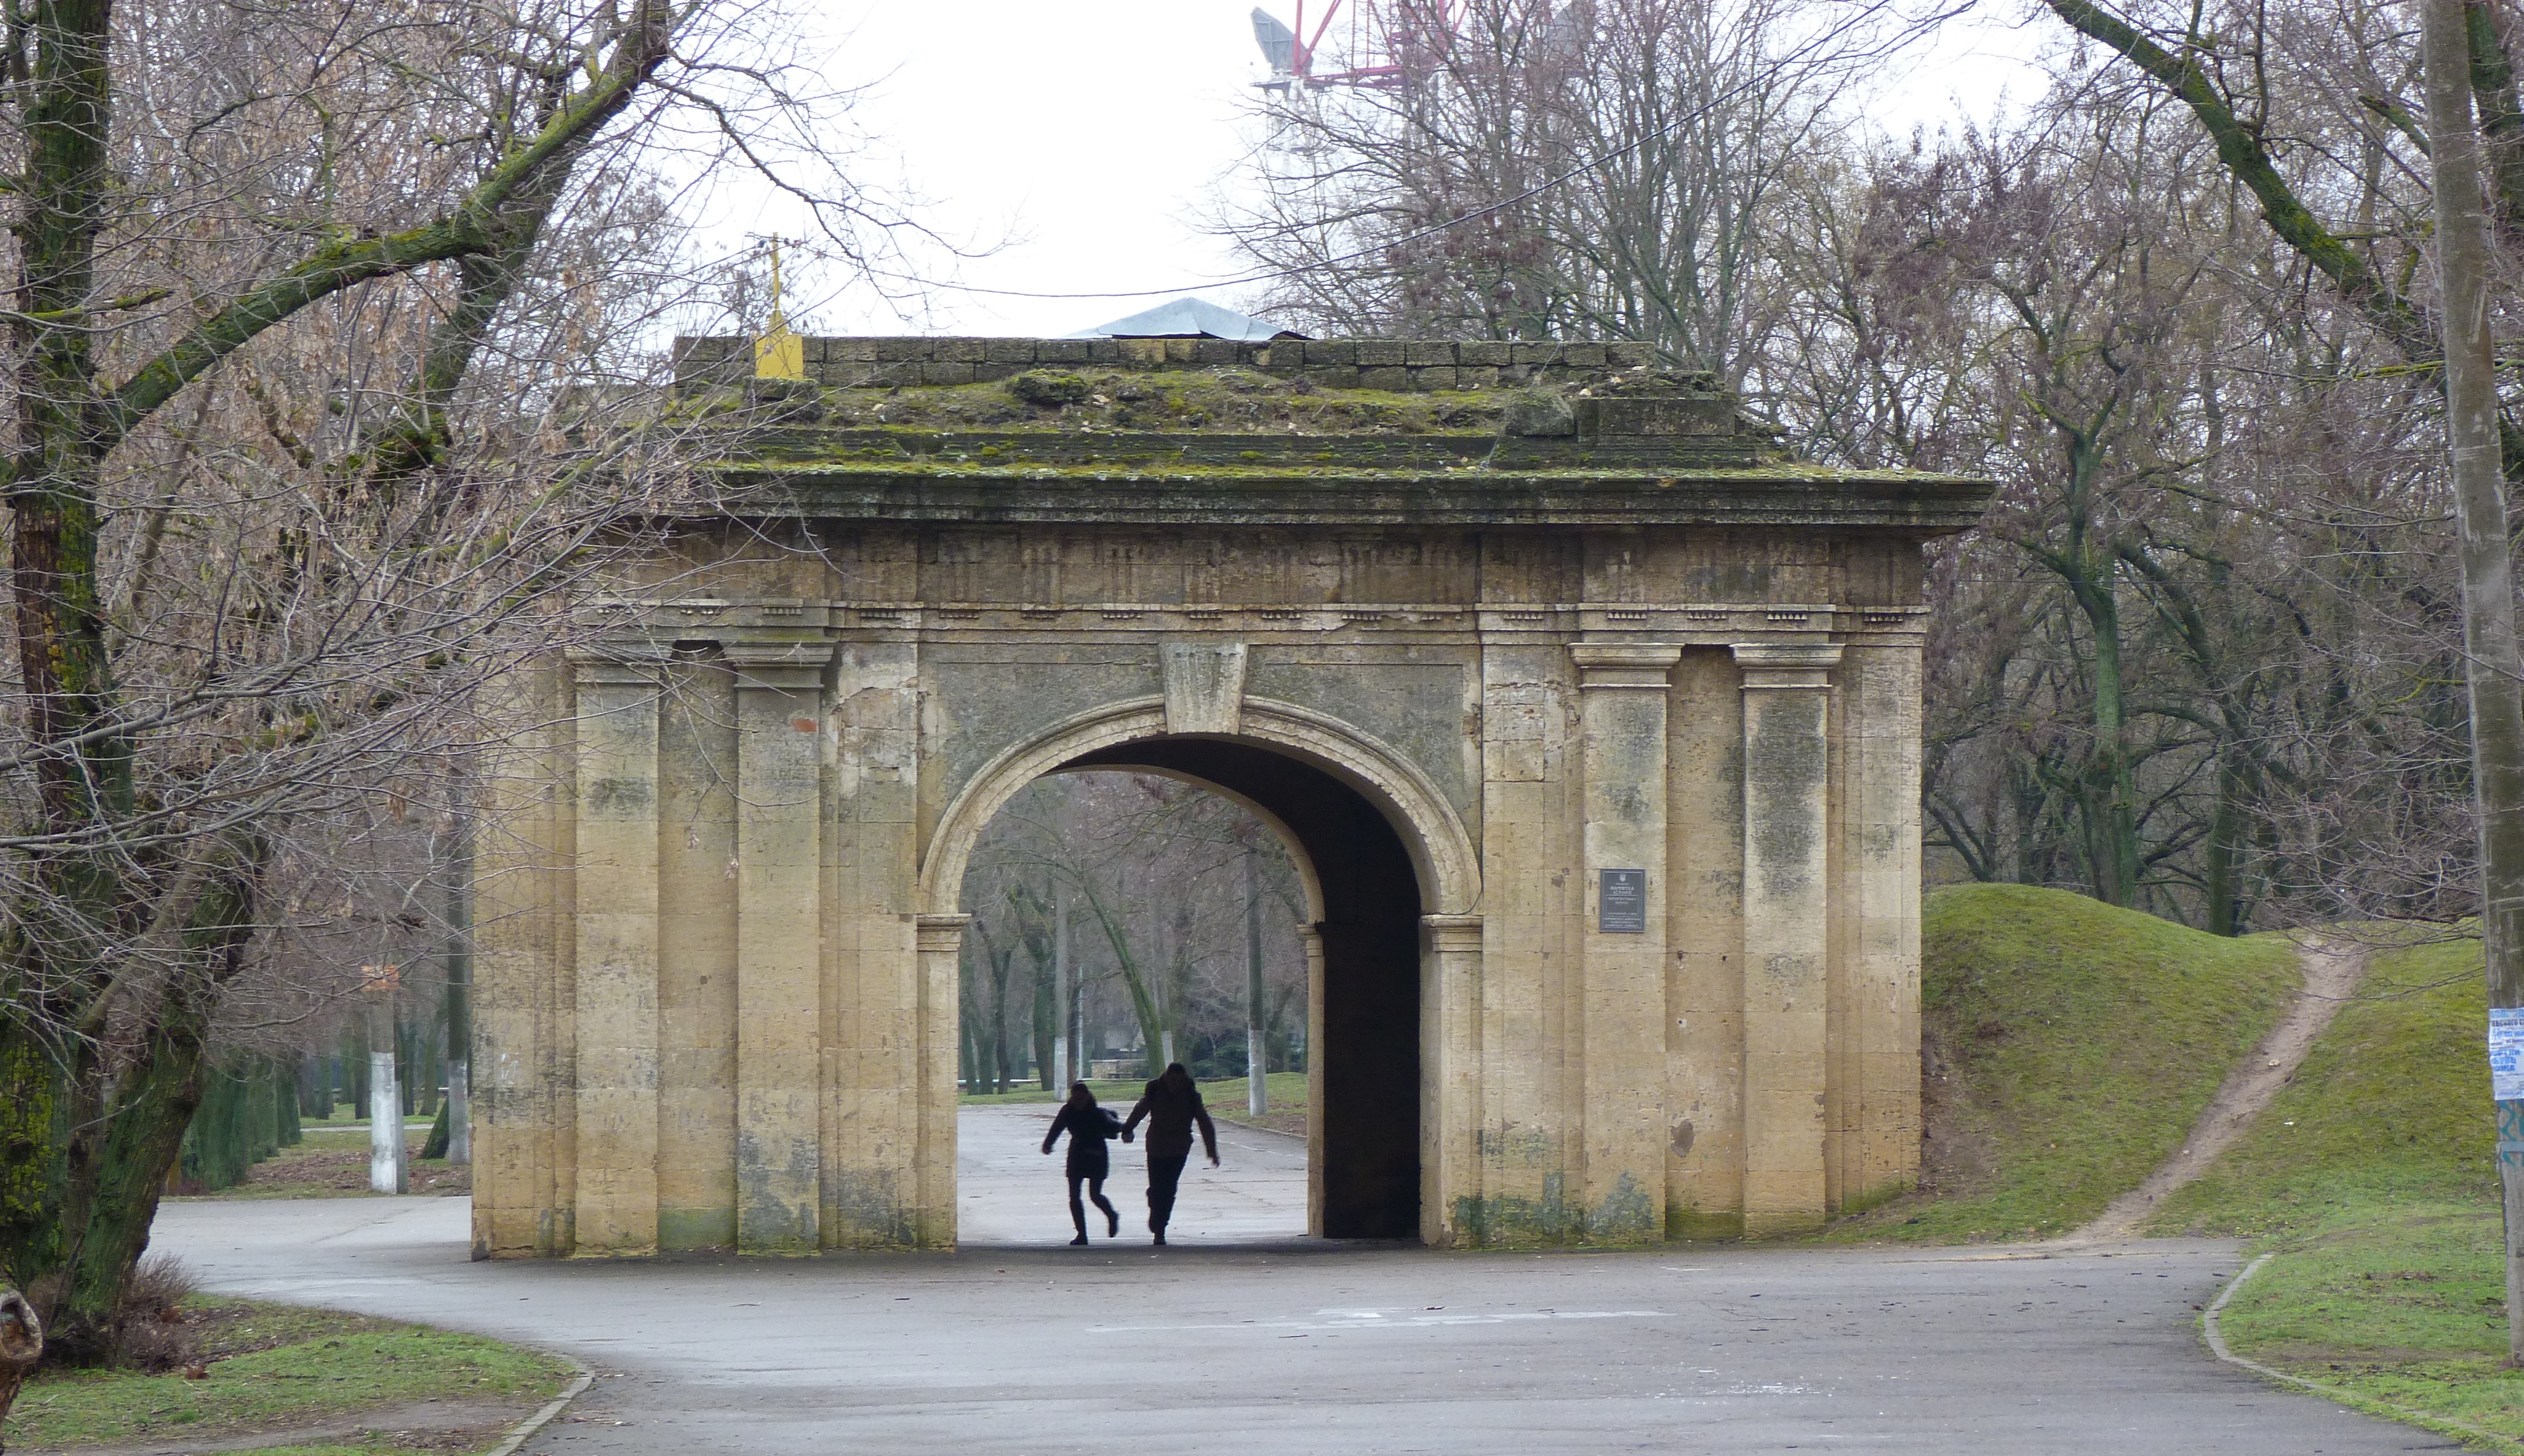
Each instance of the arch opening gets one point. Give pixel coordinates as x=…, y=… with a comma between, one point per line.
x=1363, y=1129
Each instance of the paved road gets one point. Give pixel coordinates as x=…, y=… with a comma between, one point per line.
x=1301, y=1347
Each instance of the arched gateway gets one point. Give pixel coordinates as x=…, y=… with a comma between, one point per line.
x=1591, y=714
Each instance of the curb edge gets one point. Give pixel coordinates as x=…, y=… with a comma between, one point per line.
x=524, y=1431
x=2441, y=1425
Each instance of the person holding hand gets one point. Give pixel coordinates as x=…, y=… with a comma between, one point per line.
x=1088, y=1127
x=1171, y=1104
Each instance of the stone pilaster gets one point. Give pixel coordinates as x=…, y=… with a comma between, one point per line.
x=778, y=937
x=1787, y=906
x=1450, y=1071
x=1622, y=690
x=524, y=1076
x=874, y=1049
x=942, y=942
x=616, y=950
x=1882, y=870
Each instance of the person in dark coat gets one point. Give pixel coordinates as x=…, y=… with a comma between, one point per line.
x=1087, y=1126
x=1172, y=1104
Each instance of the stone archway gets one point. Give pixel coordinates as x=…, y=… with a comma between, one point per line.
x=1625, y=694
x=1384, y=859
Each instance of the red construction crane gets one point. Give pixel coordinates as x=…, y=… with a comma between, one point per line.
x=1357, y=42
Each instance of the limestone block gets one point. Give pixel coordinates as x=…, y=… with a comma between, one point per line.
x=1393, y=378
x=1204, y=686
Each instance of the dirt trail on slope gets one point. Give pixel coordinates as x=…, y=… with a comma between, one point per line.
x=2332, y=971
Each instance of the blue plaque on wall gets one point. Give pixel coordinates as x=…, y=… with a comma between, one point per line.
x=1622, y=902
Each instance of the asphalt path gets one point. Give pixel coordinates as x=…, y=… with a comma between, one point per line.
x=1279, y=1347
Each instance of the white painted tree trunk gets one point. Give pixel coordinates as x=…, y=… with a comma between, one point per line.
x=1066, y=1065
x=387, y=1173
x=1257, y=1052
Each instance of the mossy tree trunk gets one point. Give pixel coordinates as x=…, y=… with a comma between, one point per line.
x=123, y=934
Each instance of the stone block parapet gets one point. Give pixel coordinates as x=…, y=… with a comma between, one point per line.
x=1399, y=366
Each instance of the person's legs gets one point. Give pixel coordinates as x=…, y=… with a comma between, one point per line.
x=1112, y=1220
x=1077, y=1209
x=1164, y=1173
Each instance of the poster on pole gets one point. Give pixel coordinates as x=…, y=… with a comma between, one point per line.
x=2507, y=1052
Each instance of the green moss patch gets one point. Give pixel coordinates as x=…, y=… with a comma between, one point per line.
x=2069, y=1047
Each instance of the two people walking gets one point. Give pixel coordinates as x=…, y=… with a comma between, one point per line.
x=1172, y=1108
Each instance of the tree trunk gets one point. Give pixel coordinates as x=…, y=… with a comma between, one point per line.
x=387, y=1173
x=22, y=1344
x=1257, y=1046
x=460, y=994
x=2494, y=667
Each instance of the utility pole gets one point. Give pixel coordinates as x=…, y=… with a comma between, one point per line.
x=389, y=1167
x=2492, y=666
x=460, y=991
x=1257, y=1051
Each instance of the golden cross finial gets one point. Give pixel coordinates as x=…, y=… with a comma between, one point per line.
x=778, y=353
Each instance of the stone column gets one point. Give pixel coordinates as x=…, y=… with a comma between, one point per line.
x=941, y=943
x=1310, y=938
x=1450, y=1072
x=1787, y=903
x=617, y=951
x=1621, y=713
x=779, y=945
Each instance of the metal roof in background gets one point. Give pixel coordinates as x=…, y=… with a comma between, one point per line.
x=1187, y=318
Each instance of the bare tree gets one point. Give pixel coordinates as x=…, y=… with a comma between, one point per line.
x=323, y=378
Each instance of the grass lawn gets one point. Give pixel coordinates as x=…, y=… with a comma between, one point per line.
x=2373, y=1184
x=2069, y=1047
x=272, y=1367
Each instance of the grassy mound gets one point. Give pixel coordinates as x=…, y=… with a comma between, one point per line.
x=2069, y=1047
x=270, y=1368
x=2372, y=1183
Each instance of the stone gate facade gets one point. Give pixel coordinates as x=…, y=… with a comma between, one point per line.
x=1591, y=710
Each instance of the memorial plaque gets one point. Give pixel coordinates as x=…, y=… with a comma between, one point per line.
x=1622, y=902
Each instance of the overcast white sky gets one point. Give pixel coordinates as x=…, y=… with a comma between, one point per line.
x=1092, y=137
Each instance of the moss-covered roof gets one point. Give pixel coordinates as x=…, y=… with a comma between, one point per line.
x=1164, y=441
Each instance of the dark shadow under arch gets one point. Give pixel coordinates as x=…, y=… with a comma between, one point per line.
x=1369, y=1160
